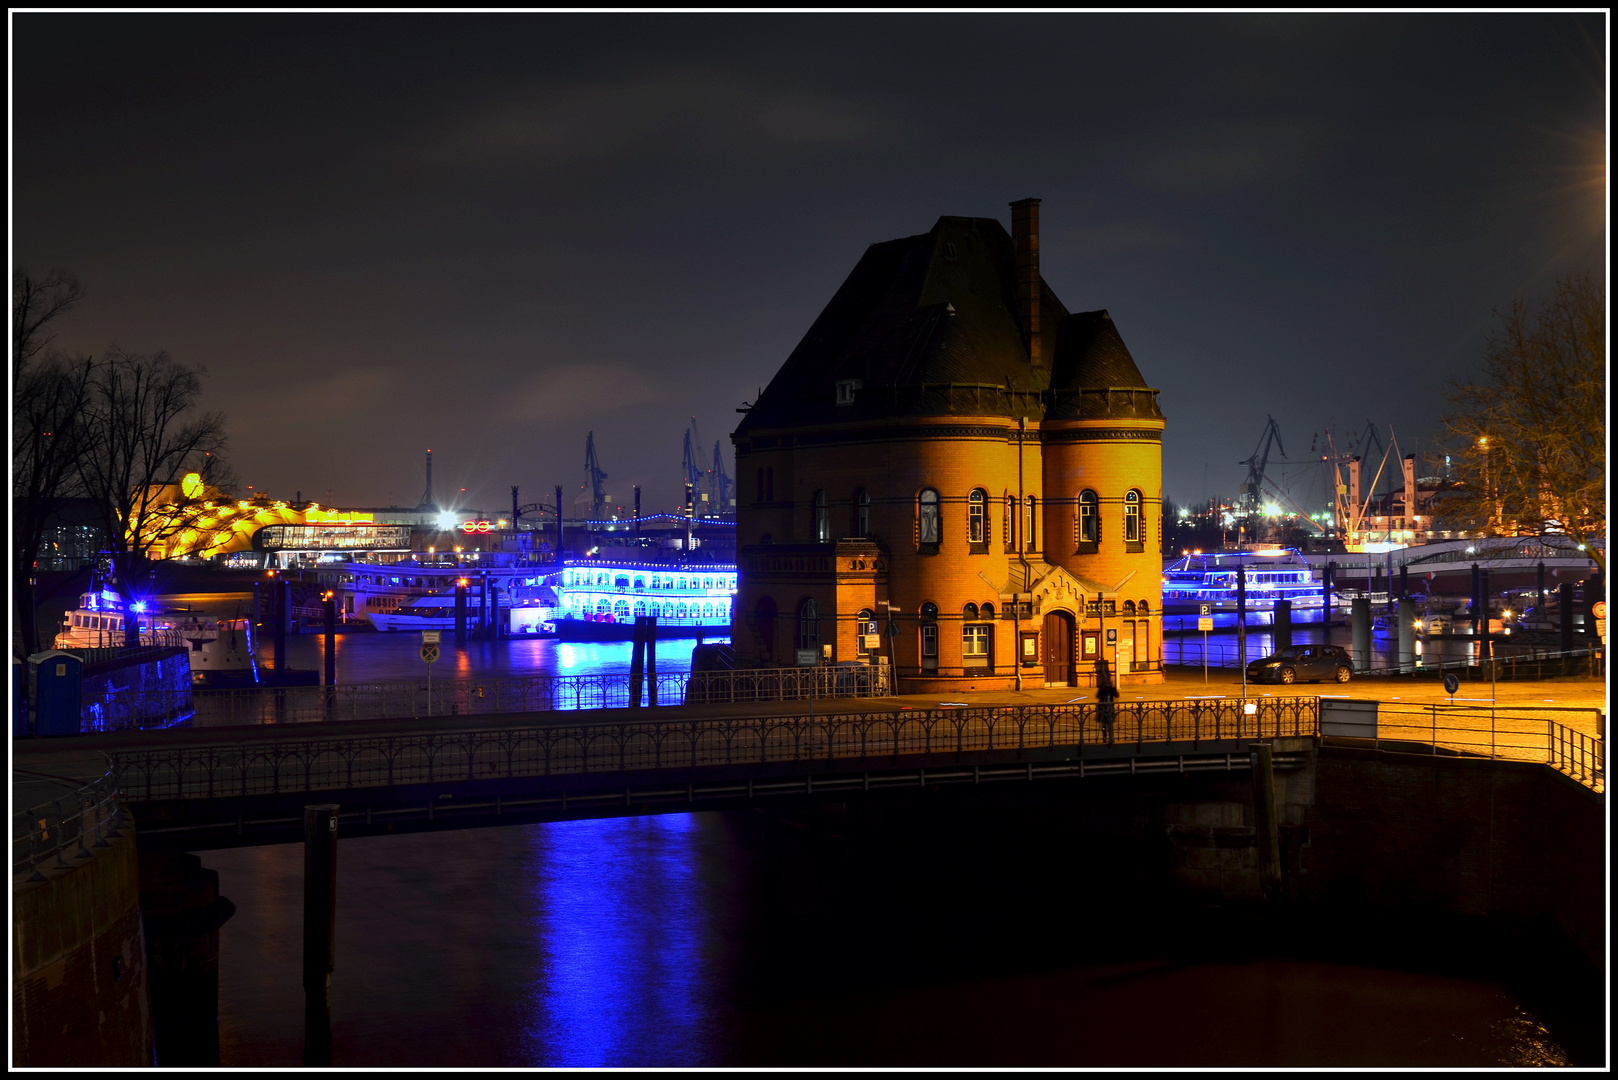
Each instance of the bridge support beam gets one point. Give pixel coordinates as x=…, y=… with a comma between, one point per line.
x=1267, y=829
x=319, y=928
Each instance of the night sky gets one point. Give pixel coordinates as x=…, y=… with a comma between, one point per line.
x=489, y=235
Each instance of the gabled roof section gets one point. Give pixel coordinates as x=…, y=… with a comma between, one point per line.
x=1092, y=363
x=916, y=316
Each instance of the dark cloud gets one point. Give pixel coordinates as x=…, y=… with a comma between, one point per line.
x=493, y=234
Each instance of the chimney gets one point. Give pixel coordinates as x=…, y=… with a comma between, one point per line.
x=1025, y=272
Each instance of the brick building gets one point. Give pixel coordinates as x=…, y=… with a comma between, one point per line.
x=954, y=475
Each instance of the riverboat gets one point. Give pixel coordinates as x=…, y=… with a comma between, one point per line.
x=599, y=599
x=1210, y=579
x=221, y=650
x=431, y=613
x=100, y=621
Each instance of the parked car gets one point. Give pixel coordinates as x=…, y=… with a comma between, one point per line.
x=1310, y=663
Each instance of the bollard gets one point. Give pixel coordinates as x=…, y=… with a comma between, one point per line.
x=651, y=660
x=1407, y=635
x=319, y=928
x=1261, y=756
x=1360, y=620
x=1283, y=625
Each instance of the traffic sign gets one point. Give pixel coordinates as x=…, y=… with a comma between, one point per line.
x=429, y=651
x=430, y=637
x=1207, y=609
x=1205, y=623
x=1599, y=609
x=1451, y=682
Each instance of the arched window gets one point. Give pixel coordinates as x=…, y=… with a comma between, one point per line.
x=1089, y=521
x=1129, y=607
x=976, y=507
x=822, y=521
x=1011, y=523
x=928, y=531
x=929, y=636
x=1132, y=517
x=653, y=608
x=970, y=611
x=809, y=625
x=1143, y=608
x=640, y=608
x=1030, y=534
x=862, y=513
x=988, y=611
x=682, y=612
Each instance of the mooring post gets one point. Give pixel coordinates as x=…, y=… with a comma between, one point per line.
x=319, y=928
x=651, y=660
x=1262, y=759
x=637, y=661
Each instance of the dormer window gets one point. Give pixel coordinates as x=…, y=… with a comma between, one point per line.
x=846, y=389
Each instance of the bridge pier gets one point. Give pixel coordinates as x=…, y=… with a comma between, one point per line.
x=319, y=928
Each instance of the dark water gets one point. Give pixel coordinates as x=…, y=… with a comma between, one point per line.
x=704, y=939
x=734, y=938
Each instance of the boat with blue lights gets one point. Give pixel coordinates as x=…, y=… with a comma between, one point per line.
x=100, y=622
x=599, y=599
x=1209, y=578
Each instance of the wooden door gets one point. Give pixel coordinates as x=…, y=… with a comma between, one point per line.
x=1058, y=634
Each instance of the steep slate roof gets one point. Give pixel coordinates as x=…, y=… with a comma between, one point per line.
x=927, y=312
x=1090, y=356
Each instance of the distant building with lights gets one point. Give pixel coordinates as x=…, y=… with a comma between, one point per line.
x=953, y=474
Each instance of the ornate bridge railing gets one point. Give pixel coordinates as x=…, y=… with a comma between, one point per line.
x=789, y=684
x=127, y=710
x=58, y=832
x=333, y=762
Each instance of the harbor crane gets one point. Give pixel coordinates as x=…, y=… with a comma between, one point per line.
x=1257, y=479
x=592, y=466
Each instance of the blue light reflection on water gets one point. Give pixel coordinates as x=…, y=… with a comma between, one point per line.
x=363, y=658
x=620, y=920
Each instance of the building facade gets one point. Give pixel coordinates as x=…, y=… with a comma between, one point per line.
x=954, y=475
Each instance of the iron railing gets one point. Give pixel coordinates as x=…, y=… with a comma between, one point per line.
x=1567, y=739
x=334, y=762
x=789, y=684
x=142, y=709
x=54, y=833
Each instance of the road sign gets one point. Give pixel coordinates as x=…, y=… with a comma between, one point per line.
x=430, y=637
x=1599, y=609
x=1451, y=682
x=1207, y=609
x=1205, y=623
x=1112, y=635
x=429, y=651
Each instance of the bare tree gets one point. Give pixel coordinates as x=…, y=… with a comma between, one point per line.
x=144, y=435
x=34, y=303
x=1529, y=439
x=47, y=404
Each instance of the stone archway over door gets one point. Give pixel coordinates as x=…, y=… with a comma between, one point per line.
x=1059, y=649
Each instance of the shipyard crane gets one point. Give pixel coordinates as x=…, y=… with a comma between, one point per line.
x=1258, y=479
x=712, y=480
x=722, y=483
x=1256, y=463
x=693, y=474
x=592, y=466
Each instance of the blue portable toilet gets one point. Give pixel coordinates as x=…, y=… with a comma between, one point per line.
x=19, y=701
x=58, y=691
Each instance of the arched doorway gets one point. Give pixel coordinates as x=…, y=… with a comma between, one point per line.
x=1058, y=633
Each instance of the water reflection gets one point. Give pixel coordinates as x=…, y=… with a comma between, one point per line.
x=619, y=918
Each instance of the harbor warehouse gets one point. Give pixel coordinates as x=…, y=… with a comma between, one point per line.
x=954, y=475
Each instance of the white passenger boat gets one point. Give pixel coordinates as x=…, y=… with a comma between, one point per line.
x=428, y=613
x=221, y=650
x=100, y=622
x=599, y=599
x=1210, y=578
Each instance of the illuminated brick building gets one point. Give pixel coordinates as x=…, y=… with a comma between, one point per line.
x=953, y=473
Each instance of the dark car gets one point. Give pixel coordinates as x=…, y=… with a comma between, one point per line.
x=1310, y=663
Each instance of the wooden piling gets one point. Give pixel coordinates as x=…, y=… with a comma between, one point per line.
x=319, y=928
